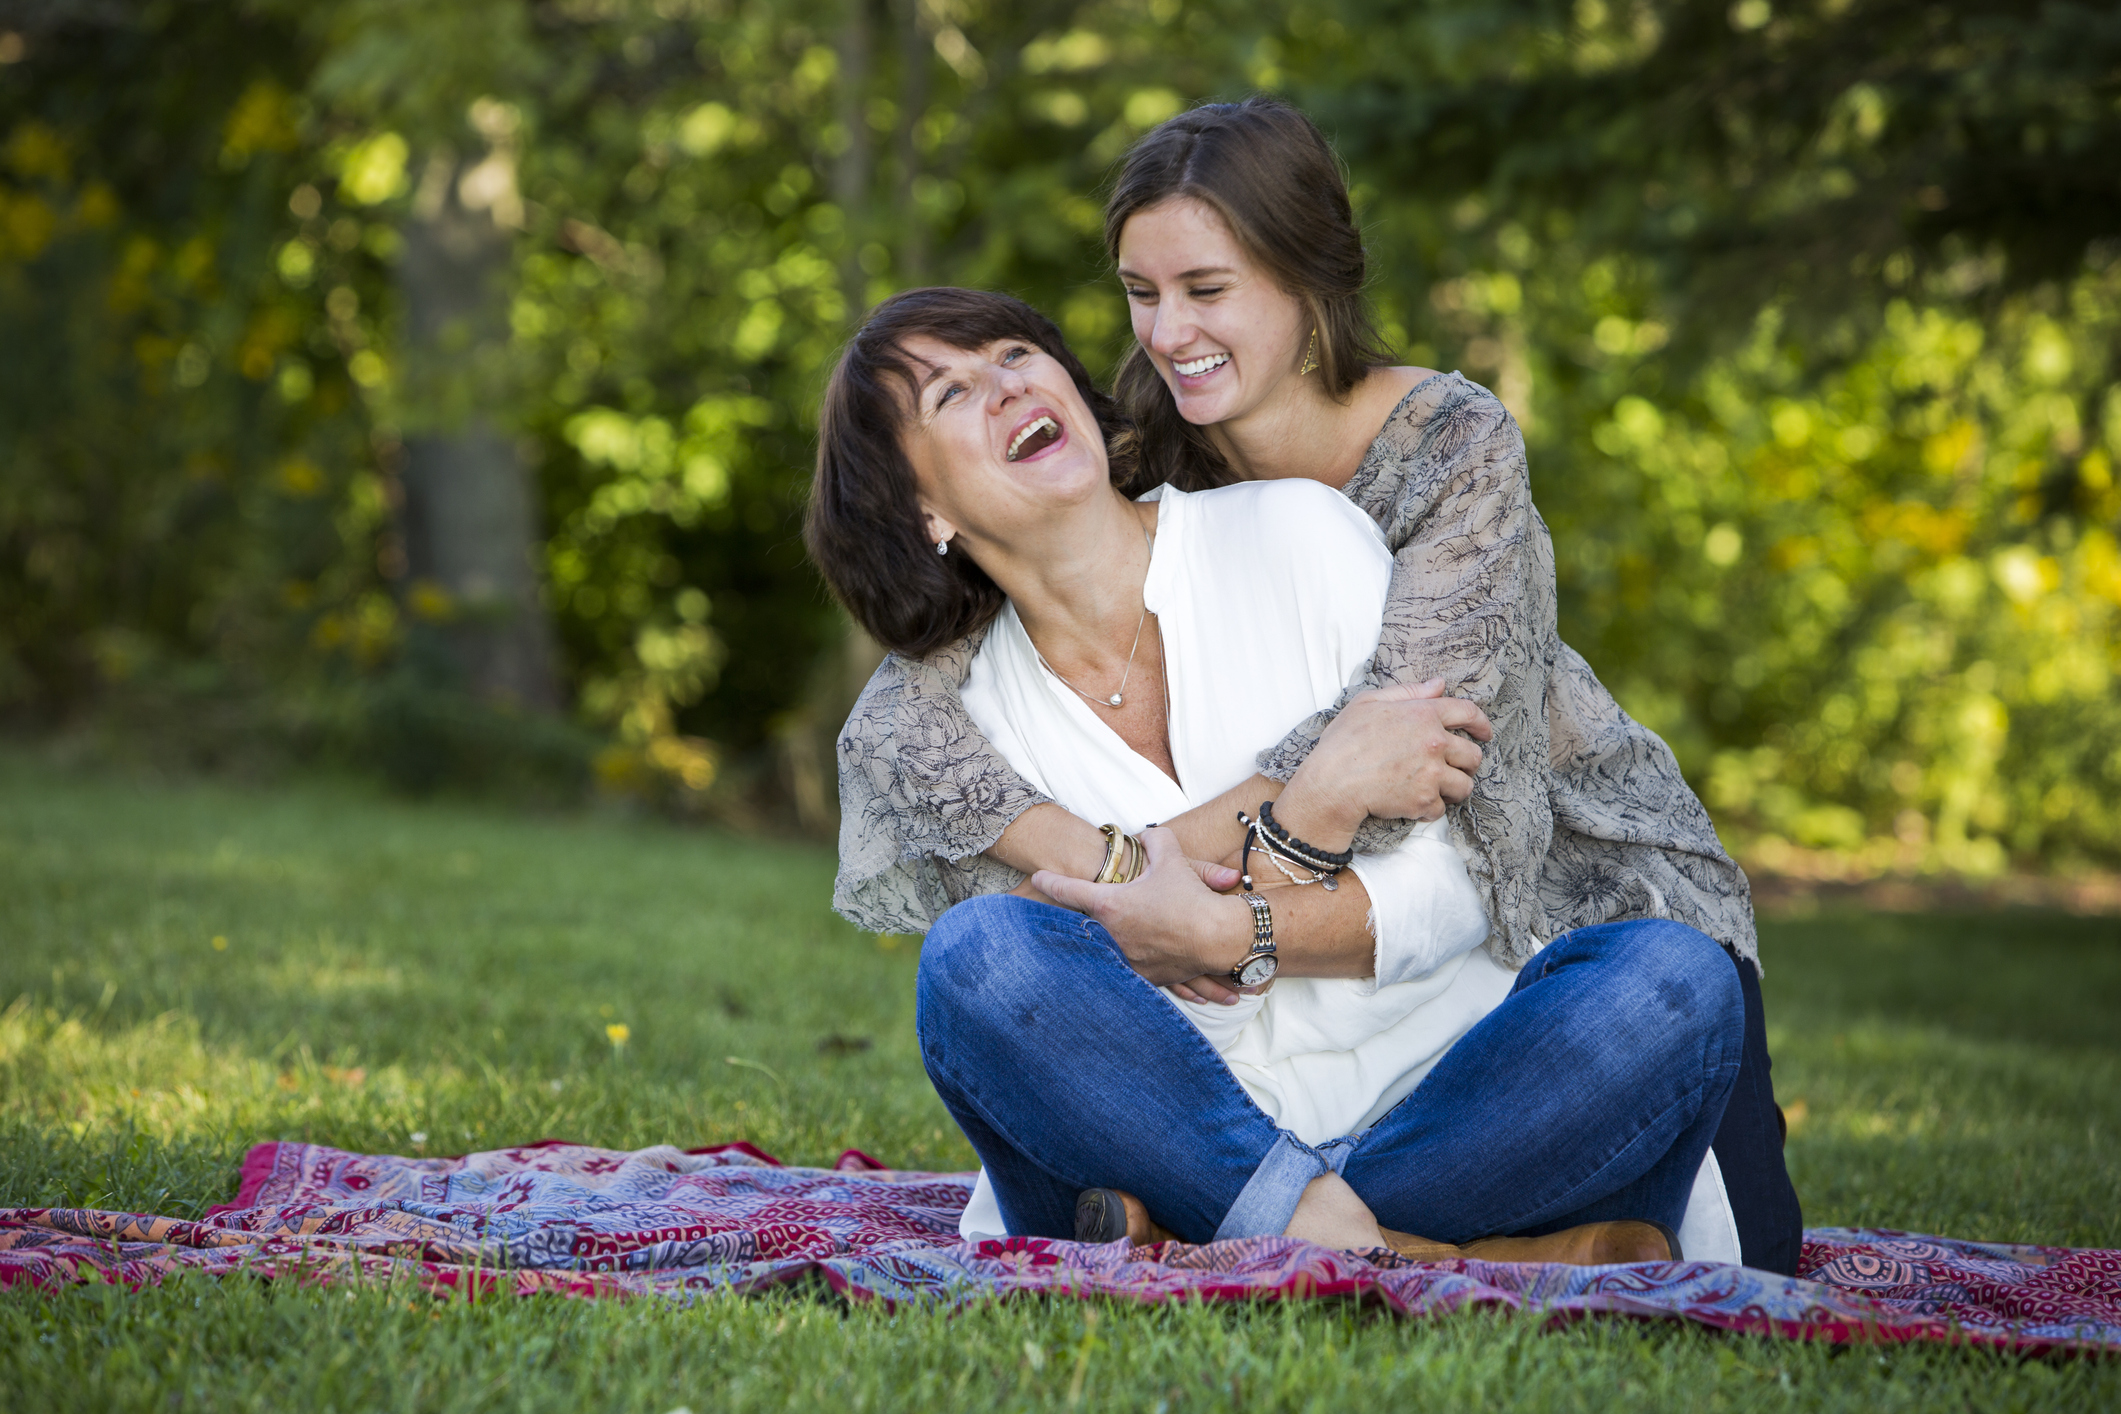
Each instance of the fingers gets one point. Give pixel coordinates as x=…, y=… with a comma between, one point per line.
x=1209, y=989
x=1458, y=714
x=1402, y=692
x=1028, y=890
x=1078, y=894
x=1161, y=845
x=1450, y=713
x=1219, y=877
x=1462, y=755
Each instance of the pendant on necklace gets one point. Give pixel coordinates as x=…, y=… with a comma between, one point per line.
x=1116, y=699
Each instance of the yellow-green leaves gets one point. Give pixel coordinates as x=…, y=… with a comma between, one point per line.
x=373, y=170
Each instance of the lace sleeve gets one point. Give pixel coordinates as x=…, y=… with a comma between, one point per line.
x=923, y=795
x=1472, y=602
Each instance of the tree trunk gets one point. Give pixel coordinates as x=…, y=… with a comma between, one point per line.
x=469, y=517
x=851, y=169
x=916, y=52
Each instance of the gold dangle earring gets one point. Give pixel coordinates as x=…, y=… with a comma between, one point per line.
x=1310, y=356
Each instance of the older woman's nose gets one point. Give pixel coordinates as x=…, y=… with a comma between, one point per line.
x=1010, y=382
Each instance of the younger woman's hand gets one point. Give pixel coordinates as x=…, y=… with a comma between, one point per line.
x=1399, y=753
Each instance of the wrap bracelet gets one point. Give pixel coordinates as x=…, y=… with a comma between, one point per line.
x=1284, y=849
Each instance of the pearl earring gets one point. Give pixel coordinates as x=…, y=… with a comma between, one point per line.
x=942, y=547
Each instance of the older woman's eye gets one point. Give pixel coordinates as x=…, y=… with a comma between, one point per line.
x=1015, y=353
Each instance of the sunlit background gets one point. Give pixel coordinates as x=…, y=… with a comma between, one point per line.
x=426, y=390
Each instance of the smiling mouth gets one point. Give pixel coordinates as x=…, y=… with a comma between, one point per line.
x=1040, y=434
x=1202, y=365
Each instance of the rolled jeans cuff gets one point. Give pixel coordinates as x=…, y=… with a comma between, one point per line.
x=1270, y=1197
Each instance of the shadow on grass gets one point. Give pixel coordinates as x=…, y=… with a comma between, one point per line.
x=2038, y=979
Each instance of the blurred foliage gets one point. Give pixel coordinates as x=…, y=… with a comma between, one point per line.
x=1809, y=311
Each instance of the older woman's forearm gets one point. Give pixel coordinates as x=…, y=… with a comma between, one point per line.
x=1320, y=934
x=1316, y=934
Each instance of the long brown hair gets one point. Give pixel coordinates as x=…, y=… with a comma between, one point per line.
x=863, y=528
x=1270, y=174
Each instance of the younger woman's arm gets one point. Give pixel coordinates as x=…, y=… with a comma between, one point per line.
x=931, y=812
x=1471, y=602
x=923, y=796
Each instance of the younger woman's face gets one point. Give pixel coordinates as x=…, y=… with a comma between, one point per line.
x=1225, y=337
x=999, y=438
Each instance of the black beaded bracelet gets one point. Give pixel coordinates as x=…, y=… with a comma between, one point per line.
x=1322, y=861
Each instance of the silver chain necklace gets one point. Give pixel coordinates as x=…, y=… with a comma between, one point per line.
x=1119, y=698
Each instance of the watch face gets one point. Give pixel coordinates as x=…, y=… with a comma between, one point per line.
x=1255, y=970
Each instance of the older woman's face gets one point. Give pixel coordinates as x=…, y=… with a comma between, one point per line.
x=999, y=439
x=1224, y=336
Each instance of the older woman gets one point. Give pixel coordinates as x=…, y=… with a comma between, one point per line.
x=1255, y=360
x=1139, y=655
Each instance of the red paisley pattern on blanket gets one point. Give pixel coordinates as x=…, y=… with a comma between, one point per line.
x=582, y=1221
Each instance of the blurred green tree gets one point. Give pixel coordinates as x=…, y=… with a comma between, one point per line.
x=366, y=352
x=1809, y=312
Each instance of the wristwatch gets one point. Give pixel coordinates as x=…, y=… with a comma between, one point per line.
x=1260, y=964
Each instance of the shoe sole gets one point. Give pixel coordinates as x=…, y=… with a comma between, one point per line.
x=1100, y=1216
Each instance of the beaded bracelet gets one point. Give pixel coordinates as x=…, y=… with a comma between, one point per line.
x=1255, y=838
x=1284, y=849
x=1309, y=855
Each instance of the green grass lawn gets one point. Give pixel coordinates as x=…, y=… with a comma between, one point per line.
x=186, y=969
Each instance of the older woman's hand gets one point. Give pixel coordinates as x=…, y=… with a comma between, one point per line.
x=1171, y=923
x=1399, y=753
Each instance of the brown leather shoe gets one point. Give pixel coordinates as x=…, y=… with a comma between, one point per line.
x=1108, y=1214
x=1420, y=1249
x=1591, y=1245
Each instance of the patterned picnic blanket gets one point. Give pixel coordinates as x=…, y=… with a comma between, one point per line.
x=583, y=1221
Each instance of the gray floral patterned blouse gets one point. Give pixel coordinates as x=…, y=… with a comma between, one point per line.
x=1579, y=814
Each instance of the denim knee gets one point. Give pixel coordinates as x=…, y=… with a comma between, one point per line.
x=1694, y=978
x=1672, y=975
x=990, y=957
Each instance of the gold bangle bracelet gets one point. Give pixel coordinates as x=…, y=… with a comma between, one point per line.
x=1124, y=857
x=1137, y=859
x=1115, y=843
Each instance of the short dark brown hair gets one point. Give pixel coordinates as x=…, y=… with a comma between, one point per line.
x=864, y=528
x=1271, y=175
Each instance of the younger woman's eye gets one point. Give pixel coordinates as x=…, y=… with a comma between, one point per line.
x=1207, y=291
x=1137, y=292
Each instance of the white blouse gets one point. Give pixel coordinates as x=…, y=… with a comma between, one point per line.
x=1269, y=595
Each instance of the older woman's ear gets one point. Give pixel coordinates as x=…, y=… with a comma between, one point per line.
x=939, y=531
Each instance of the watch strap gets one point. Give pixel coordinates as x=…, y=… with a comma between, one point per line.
x=1262, y=934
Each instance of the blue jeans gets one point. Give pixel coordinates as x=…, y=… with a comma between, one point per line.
x=1592, y=1092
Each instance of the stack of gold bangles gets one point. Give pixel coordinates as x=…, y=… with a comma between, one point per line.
x=1124, y=856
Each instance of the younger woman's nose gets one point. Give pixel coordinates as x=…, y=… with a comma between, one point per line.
x=1171, y=331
